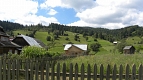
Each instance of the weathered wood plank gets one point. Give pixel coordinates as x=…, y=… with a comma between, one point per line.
x=127, y=72
x=82, y=71
x=64, y=72
x=121, y=72
x=58, y=71
x=76, y=72
x=108, y=72
x=114, y=72
x=95, y=72
x=134, y=72
x=101, y=72
x=88, y=72
x=140, y=72
x=71, y=72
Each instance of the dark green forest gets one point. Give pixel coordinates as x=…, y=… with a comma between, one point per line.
x=59, y=29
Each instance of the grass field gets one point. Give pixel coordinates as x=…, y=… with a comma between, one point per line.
x=105, y=59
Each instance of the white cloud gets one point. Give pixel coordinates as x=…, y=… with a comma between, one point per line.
x=23, y=11
x=52, y=12
x=112, y=14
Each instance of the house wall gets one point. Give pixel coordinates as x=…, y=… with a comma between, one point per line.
x=8, y=49
x=20, y=41
x=129, y=51
x=74, y=51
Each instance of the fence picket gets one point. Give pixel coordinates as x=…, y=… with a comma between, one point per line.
x=37, y=70
x=134, y=72
x=71, y=72
x=31, y=69
x=82, y=71
x=88, y=72
x=114, y=72
x=127, y=72
x=58, y=71
x=108, y=72
x=17, y=69
x=76, y=72
x=121, y=72
x=26, y=69
x=64, y=72
x=140, y=77
x=95, y=72
x=13, y=69
x=42, y=70
x=8, y=70
x=52, y=71
x=101, y=72
x=4, y=69
x=47, y=70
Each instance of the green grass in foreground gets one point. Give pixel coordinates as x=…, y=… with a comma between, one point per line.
x=106, y=59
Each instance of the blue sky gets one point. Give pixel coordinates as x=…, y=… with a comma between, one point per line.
x=111, y=14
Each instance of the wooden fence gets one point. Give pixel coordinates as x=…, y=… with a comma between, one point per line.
x=42, y=70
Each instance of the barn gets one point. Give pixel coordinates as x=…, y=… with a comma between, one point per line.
x=129, y=50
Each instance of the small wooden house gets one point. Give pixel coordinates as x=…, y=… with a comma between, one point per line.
x=6, y=45
x=75, y=49
x=23, y=40
x=129, y=50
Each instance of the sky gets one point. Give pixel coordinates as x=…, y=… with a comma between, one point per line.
x=111, y=14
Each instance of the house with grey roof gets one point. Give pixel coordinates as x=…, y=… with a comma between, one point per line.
x=75, y=49
x=129, y=50
x=24, y=40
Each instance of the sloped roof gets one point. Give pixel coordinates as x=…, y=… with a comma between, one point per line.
x=8, y=44
x=80, y=46
x=31, y=41
x=127, y=47
x=2, y=32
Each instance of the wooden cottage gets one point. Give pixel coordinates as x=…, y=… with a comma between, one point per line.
x=6, y=45
x=23, y=40
x=129, y=50
x=75, y=49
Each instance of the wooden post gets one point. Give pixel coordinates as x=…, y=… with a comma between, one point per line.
x=121, y=72
x=88, y=72
x=114, y=72
x=127, y=72
x=47, y=70
x=108, y=72
x=82, y=71
x=76, y=71
x=71, y=72
x=101, y=72
x=58, y=71
x=134, y=72
x=140, y=72
x=95, y=72
x=64, y=72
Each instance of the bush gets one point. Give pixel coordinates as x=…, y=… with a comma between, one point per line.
x=95, y=47
x=33, y=52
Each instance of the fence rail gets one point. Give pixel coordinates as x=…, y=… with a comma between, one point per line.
x=38, y=70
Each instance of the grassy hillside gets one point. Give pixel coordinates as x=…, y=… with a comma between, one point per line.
x=58, y=47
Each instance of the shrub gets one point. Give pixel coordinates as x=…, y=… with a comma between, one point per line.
x=32, y=52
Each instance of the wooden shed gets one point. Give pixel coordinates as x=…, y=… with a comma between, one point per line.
x=129, y=50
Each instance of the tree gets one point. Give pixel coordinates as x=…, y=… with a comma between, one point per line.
x=67, y=38
x=49, y=38
x=121, y=45
x=95, y=47
x=86, y=38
